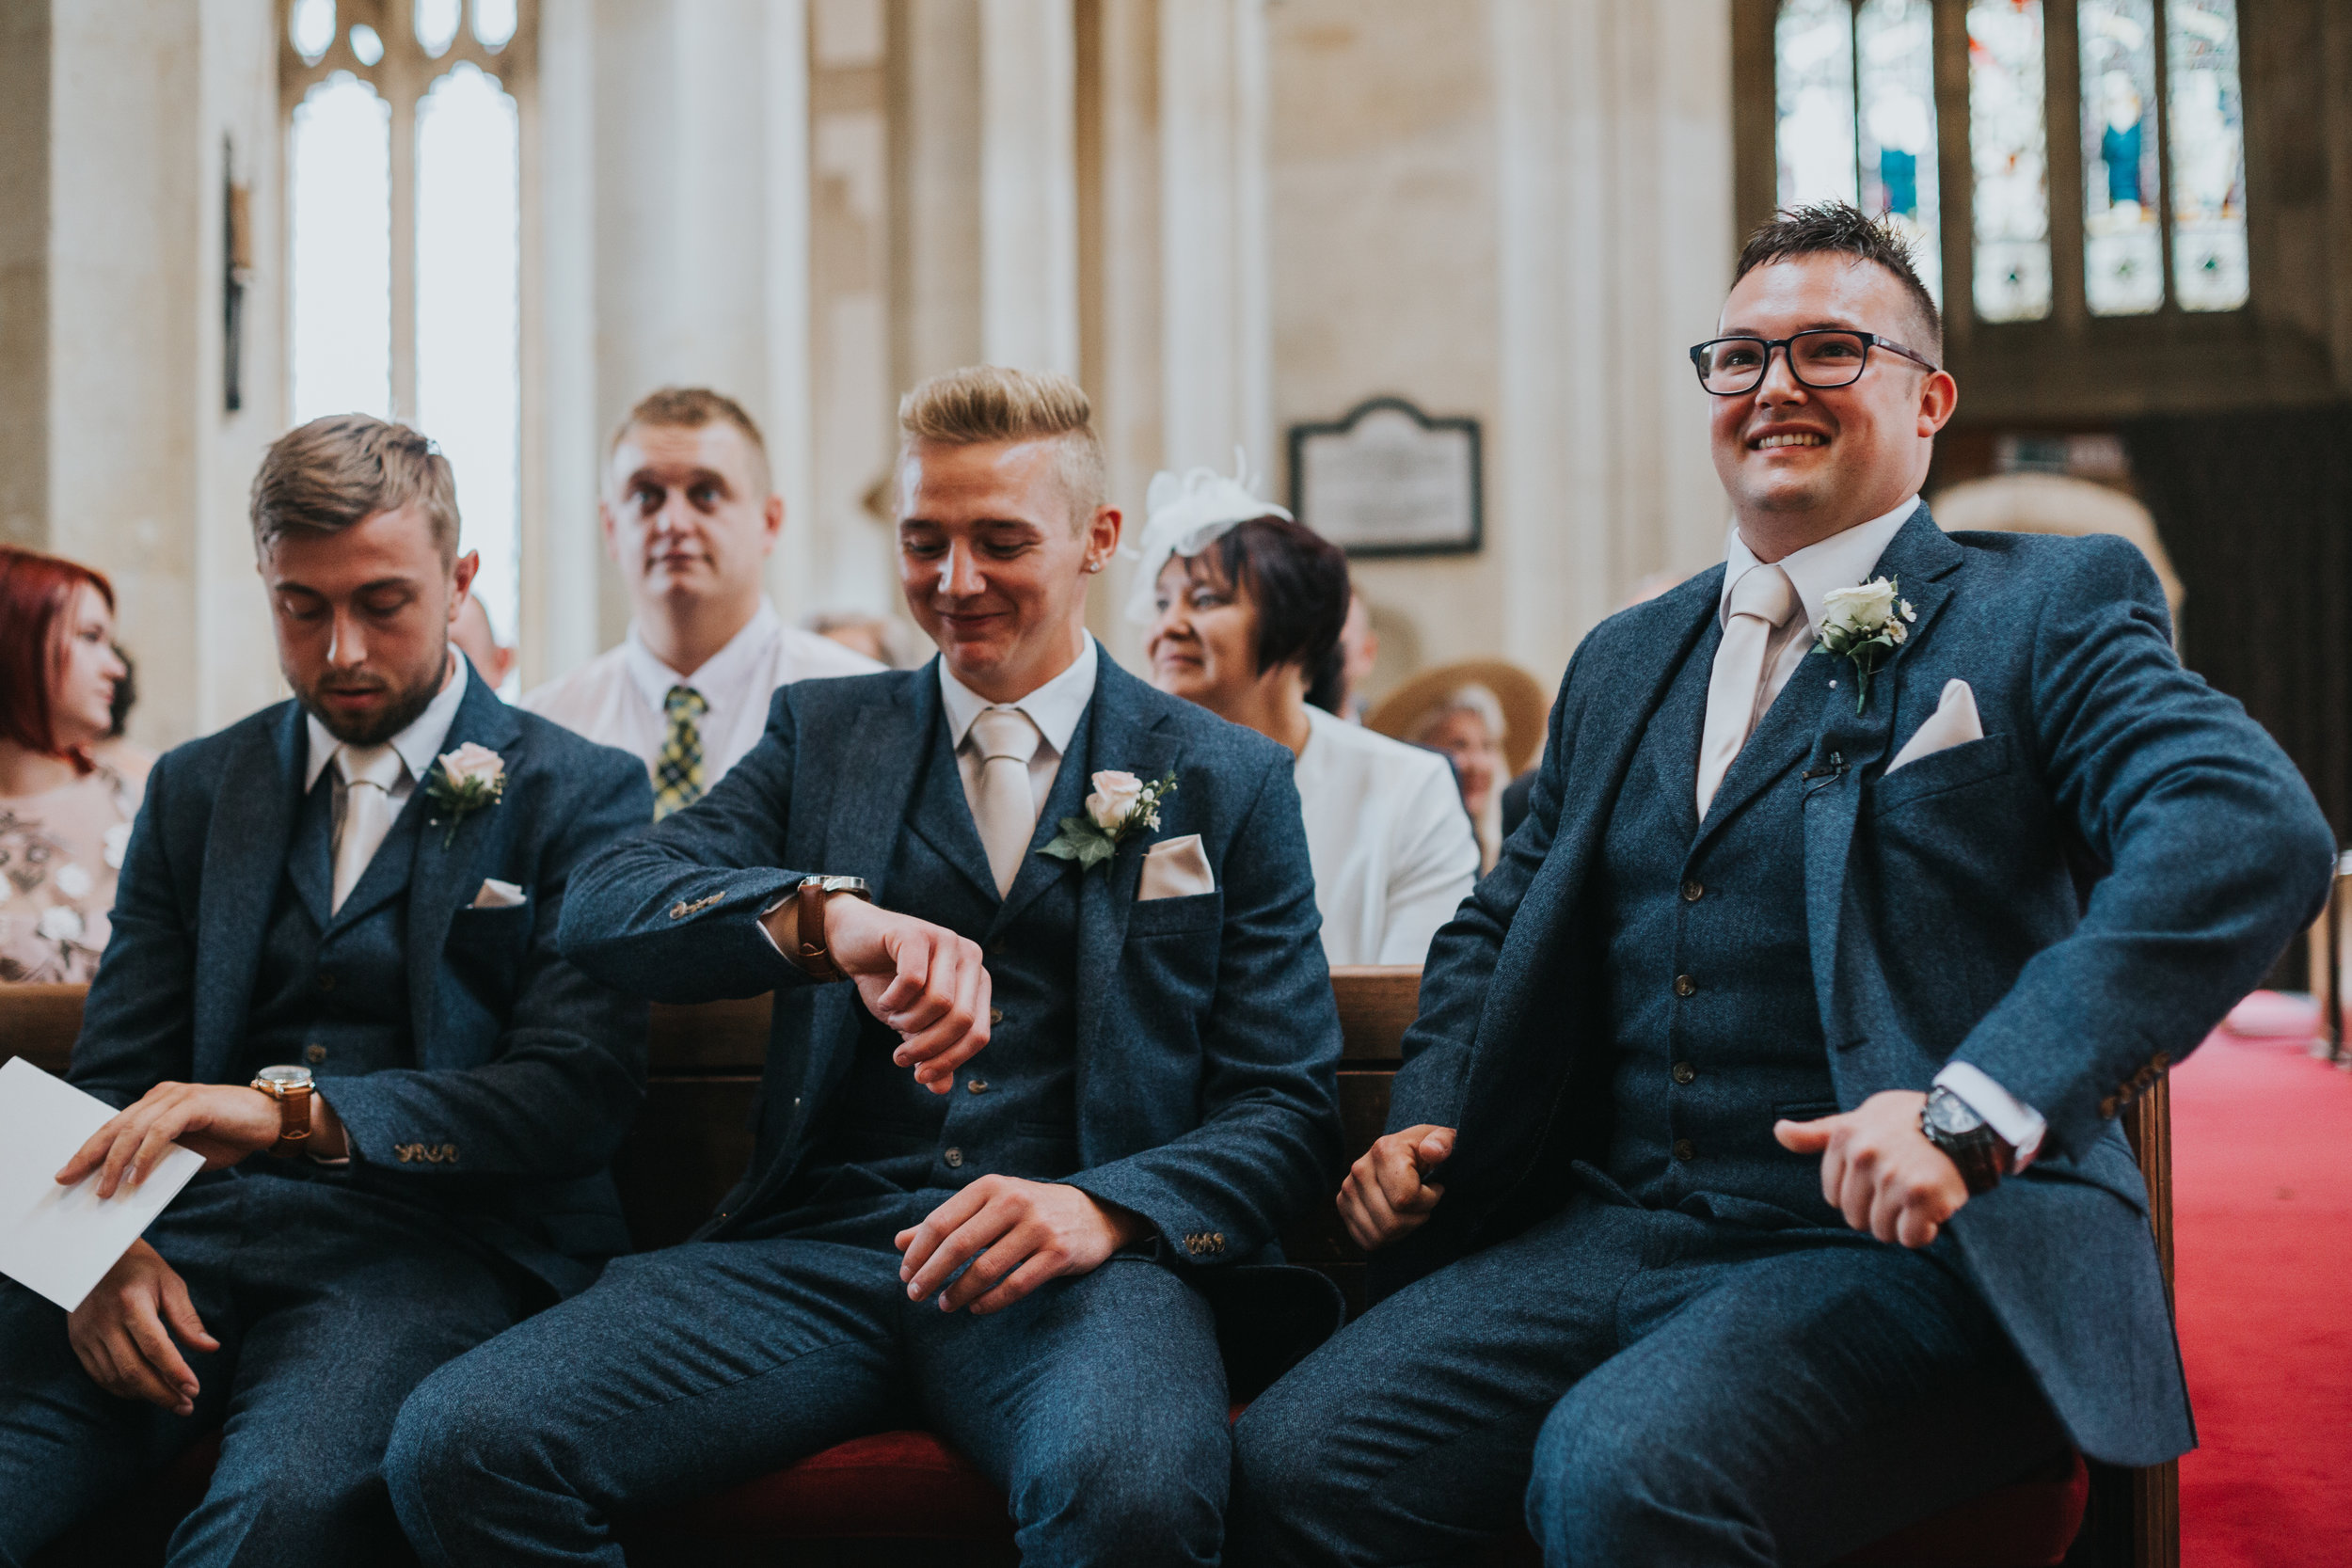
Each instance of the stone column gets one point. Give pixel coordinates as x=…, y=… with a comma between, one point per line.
x=1029, y=184
x=24, y=60
x=1614, y=127
x=1215, y=334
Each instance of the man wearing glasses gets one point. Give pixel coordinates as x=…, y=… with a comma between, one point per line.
x=1754, y=1186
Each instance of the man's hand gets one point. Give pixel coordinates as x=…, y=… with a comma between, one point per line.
x=1388, y=1192
x=223, y=1122
x=922, y=980
x=1021, y=1233
x=1879, y=1170
x=120, y=1332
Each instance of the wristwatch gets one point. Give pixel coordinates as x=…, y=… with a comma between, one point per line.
x=812, y=950
x=1982, y=1155
x=291, y=1088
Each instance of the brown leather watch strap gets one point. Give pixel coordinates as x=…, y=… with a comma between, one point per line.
x=294, y=1120
x=813, y=953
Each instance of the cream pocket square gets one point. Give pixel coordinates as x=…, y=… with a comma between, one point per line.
x=1177, y=868
x=496, y=895
x=1954, y=722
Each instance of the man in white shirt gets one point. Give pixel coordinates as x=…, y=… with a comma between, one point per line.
x=690, y=516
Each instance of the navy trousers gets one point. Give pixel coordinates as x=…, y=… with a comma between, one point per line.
x=1642, y=1386
x=329, y=1306
x=1098, y=1403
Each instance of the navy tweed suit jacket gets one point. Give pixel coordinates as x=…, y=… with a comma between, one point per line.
x=2069, y=903
x=525, y=1072
x=1208, y=1041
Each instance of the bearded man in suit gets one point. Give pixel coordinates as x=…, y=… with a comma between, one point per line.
x=1030, y=1123
x=334, y=941
x=1753, y=1185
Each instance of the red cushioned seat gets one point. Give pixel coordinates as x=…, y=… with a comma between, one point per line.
x=892, y=1485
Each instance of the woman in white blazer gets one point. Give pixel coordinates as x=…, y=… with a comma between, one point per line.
x=1245, y=607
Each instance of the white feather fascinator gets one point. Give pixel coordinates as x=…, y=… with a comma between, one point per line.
x=1184, y=517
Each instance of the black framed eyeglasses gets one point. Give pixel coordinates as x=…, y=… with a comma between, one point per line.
x=1822, y=358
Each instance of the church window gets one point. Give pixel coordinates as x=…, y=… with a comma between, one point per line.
x=2123, y=253
x=1813, y=43
x=2007, y=151
x=404, y=148
x=1894, y=64
x=2208, y=149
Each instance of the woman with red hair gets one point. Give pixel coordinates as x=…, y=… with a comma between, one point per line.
x=65, y=816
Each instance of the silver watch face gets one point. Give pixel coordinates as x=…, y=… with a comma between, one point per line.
x=1950, y=1114
x=286, y=1077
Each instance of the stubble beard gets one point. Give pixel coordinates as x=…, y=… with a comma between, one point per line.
x=404, y=711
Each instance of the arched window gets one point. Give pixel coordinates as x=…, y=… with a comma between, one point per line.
x=405, y=180
x=1858, y=97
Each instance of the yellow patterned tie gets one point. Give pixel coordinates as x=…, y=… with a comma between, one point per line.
x=678, y=777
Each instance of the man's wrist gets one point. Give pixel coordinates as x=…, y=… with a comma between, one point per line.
x=1981, y=1155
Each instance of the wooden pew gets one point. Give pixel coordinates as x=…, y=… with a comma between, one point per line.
x=692, y=1140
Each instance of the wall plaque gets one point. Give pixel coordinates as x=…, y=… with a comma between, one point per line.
x=1389, y=480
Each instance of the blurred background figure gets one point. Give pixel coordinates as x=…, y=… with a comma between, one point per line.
x=1468, y=727
x=65, y=814
x=881, y=638
x=1243, y=603
x=1339, y=687
x=478, y=642
x=690, y=516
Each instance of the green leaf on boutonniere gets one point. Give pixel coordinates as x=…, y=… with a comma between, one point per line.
x=1082, y=841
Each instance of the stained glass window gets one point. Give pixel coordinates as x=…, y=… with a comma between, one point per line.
x=341, y=177
x=1813, y=55
x=2123, y=255
x=469, y=353
x=1895, y=59
x=2207, y=129
x=2009, y=152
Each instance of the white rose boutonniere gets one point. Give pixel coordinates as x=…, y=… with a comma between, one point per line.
x=1865, y=625
x=1120, y=804
x=462, y=782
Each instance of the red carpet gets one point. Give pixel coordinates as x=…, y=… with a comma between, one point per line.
x=2261, y=1139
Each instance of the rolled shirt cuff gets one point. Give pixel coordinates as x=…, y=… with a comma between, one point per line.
x=2019, y=1124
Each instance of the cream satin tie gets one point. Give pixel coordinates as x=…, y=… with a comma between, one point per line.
x=1006, y=807
x=369, y=773
x=1760, y=601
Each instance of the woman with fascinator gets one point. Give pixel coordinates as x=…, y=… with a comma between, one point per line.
x=1245, y=606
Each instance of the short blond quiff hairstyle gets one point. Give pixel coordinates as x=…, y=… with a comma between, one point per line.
x=980, y=404
x=343, y=468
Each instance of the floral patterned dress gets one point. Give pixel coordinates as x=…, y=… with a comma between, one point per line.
x=59, y=854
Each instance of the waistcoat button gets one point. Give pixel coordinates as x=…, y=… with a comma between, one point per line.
x=954, y=1157
x=976, y=1086
x=1685, y=986
x=996, y=1015
x=1692, y=892
x=1684, y=1072
x=314, y=1054
x=1685, y=1150
x=326, y=982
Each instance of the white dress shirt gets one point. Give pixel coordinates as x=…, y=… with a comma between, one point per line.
x=1055, y=708
x=1848, y=560
x=1390, y=846
x=618, y=698
x=416, y=746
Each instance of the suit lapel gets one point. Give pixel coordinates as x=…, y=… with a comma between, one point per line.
x=880, y=764
x=1783, y=738
x=245, y=854
x=1920, y=559
x=944, y=820
x=447, y=872
x=1123, y=735
x=310, y=852
x=1617, y=702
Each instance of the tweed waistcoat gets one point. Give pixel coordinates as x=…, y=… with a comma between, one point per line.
x=1014, y=1111
x=331, y=990
x=1714, y=1017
